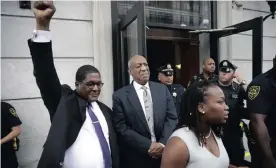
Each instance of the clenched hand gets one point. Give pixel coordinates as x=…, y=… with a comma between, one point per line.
x=43, y=11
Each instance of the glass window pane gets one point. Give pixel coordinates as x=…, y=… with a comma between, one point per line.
x=130, y=41
x=189, y=13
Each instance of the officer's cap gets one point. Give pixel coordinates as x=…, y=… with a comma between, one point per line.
x=166, y=69
x=226, y=66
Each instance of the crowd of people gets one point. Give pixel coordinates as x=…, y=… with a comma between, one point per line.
x=150, y=125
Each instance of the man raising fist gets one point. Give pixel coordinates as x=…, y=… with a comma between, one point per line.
x=43, y=10
x=81, y=133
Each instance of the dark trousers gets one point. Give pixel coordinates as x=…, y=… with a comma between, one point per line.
x=273, y=147
x=8, y=159
x=235, y=150
x=256, y=157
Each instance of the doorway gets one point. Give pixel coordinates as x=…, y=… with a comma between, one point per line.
x=131, y=35
x=175, y=47
x=159, y=52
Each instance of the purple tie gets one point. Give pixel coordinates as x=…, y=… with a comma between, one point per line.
x=102, y=140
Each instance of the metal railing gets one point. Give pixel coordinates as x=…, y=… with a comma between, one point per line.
x=155, y=14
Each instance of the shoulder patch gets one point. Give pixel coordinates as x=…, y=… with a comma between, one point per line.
x=253, y=92
x=13, y=112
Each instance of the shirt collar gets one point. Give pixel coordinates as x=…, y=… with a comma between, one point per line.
x=137, y=86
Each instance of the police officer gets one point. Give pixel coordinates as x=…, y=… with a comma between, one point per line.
x=208, y=69
x=234, y=95
x=10, y=125
x=165, y=76
x=261, y=102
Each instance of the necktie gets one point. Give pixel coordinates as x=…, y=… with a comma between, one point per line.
x=104, y=145
x=149, y=112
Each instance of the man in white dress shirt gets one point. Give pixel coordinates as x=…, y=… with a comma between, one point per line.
x=81, y=133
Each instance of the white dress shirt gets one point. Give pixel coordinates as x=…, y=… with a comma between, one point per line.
x=86, y=151
x=41, y=36
x=140, y=91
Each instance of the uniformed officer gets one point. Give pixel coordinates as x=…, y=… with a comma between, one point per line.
x=208, y=69
x=261, y=102
x=234, y=95
x=165, y=76
x=10, y=125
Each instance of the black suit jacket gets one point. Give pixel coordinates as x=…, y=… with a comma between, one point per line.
x=67, y=110
x=131, y=125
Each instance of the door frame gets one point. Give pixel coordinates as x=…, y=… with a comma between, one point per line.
x=118, y=63
x=137, y=12
x=120, y=59
x=256, y=25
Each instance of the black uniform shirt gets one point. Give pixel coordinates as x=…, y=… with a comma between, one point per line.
x=177, y=92
x=261, y=99
x=234, y=96
x=9, y=119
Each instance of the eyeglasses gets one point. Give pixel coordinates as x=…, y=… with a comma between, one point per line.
x=93, y=84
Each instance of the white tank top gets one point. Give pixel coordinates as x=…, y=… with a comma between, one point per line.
x=201, y=156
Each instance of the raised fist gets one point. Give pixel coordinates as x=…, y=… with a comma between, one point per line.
x=43, y=11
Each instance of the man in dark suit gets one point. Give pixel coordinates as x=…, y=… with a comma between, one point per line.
x=144, y=116
x=81, y=133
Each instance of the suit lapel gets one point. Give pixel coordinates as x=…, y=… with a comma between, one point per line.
x=82, y=105
x=154, y=97
x=106, y=116
x=135, y=102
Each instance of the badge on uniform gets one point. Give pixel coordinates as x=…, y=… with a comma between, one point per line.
x=234, y=96
x=13, y=112
x=253, y=92
x=174, y=94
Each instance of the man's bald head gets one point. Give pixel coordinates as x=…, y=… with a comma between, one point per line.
x=139, y=69
x=206, y=60
x=208, y=65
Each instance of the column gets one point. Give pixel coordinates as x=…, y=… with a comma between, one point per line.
x=224, y=18
x=102, y=47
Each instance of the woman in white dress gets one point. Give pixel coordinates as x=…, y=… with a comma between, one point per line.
x=196, y=142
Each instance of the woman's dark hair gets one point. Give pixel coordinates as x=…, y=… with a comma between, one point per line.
x=190, y=116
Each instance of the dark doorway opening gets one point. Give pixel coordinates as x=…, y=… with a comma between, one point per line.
x=159, y=52
x=176, y=47
x=133, y=16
